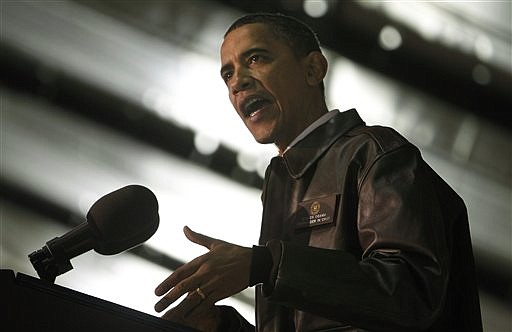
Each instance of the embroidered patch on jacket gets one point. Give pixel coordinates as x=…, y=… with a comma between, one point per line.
x=318, y=211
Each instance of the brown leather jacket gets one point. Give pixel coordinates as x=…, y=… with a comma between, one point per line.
x=364, y=235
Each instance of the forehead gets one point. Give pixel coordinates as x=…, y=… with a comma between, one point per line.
x=253, y=35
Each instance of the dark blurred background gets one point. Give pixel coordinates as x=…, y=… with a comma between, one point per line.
x=96, y=95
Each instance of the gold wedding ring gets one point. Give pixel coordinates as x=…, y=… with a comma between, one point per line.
x=200, y=292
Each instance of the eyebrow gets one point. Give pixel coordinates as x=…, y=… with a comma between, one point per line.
x=244, y=55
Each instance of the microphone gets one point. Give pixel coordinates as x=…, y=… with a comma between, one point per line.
x=116, y=222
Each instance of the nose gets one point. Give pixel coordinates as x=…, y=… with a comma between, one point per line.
x=242, y=80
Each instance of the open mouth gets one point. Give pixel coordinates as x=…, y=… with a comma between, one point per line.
x=252, y=105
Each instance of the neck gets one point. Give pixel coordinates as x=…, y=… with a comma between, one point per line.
x=309, y=118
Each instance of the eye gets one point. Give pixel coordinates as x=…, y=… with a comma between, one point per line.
x=226, y=76
x=254, y=58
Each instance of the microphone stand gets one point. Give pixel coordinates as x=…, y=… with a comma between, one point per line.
x=54, y=259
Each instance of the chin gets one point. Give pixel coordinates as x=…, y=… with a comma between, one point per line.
x=263, y=139
x=261, y=135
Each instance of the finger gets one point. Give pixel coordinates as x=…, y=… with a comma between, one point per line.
x=201, y=239
x=211, y=293
x=184, y=287
x=189, y=285
x=163, y=303
x=178, y=275
x=188, y=269
x=179, y=313
x=185, y=308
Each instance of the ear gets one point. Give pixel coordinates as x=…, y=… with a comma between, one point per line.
x=316, y=68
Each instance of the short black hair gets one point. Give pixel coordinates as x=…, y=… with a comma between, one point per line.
x=299, y=36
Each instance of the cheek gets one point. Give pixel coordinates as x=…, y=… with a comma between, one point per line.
x=286, y=81
x=285, y=89
x=275, y=83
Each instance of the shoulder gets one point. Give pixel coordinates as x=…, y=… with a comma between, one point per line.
x=384, y=138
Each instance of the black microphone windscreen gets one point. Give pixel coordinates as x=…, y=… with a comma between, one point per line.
x=123, y=219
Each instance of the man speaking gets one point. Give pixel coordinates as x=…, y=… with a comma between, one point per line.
x=358, y=233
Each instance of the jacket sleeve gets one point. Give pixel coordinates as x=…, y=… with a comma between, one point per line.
x=399, y=282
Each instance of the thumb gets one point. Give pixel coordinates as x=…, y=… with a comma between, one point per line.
x=201, y=239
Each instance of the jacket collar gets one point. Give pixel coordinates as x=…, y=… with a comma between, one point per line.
x=307, y=151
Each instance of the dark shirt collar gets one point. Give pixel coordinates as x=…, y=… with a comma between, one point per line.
x=303, y=154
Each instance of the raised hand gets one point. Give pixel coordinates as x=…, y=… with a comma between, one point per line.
x=221, y=272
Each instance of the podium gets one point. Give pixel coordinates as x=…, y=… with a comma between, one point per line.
x=31, y=304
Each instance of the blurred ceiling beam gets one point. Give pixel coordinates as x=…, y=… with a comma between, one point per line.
x=430, y=67
x=20, y=71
